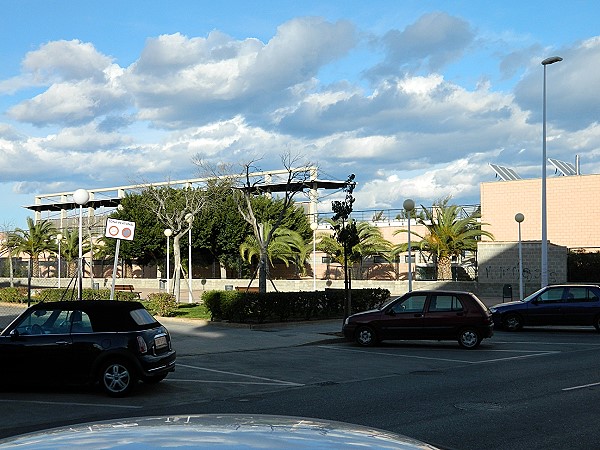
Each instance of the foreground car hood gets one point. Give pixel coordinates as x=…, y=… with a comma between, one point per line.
x=226, y=431
x=501, y=306
x=363, y=314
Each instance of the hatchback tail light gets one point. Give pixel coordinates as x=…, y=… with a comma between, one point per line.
x=142, y=346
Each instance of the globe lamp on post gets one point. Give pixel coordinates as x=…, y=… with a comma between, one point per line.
x=409, y=206
x=81, y=197
x=189, y=218
x=520, y=218
x=313, y=227
x=168, y=232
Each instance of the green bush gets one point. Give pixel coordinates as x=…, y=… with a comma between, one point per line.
x=162, y=304
x=13, y=294
x=239, y=306
x=54, y=294
x=212, y=301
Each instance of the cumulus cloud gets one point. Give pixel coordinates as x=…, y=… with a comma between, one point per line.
x=409, y=131
x=216, y=77
x=572, y=103
x=432, y=42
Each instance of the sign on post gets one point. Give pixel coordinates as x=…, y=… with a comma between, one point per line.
x=118, y=229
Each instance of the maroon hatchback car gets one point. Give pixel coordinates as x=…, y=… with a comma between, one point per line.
x=427, y=315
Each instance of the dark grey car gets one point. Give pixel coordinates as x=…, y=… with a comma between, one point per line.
x=113, y=343
x=564, y=304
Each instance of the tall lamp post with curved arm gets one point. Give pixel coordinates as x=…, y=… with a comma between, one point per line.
x=544, y=268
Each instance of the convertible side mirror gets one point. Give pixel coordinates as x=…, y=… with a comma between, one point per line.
x=14, y=334
x=390, y=312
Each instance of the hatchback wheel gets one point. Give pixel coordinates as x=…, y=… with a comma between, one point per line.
x=366, y=336
x=513, y=322
x=117, y=378
x=469, y=338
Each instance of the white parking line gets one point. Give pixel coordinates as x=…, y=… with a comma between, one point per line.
x=485, y=361
x=103, y=405
x=394, y=355
x=253, y=383
x=270, y=380
x=583, y=386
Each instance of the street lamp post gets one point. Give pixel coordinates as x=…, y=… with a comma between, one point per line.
x=81, y=197
x=168, y=232
x=313, y=227
x=58, y=241
x=190, y=219
x=520, y=218
x=544, y=268
x=409, y=206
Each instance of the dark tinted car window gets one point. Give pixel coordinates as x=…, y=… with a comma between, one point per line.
x=80, y=322
x=414, y=303
x=445, y=303
x=142, y=317
x=581, y=294
x=551, y=296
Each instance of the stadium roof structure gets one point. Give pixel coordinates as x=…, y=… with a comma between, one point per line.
x=110, y=197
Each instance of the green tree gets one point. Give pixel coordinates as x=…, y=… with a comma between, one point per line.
x=69, y=249
x=296, y=180
x=38, y=238
x=448, y=234
x=370, y=243
x=285, y=246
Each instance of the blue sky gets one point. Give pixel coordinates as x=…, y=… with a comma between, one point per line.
x=415, y=97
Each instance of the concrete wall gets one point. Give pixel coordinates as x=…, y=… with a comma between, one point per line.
x=490, y=292
x=498, y=262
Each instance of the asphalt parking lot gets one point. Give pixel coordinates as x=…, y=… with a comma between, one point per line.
x=434, y=391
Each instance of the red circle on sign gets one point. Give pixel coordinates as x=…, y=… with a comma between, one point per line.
x=113, y=231
x=126, y=232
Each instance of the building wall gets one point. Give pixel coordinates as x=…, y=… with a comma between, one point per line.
x=572, y=210
x=499, y=263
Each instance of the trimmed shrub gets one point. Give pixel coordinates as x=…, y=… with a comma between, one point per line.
x=240, y=306
x=162, y=304
x=212, y=301
x=54, y=294
x=13, y=294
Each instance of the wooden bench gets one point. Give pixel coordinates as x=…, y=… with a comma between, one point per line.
x=126, y=288
x=247, y=289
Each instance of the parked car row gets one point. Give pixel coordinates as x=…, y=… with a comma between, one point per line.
x=117, y=344
x=461, y=316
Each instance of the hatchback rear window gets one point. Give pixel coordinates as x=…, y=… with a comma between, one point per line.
x=142, y=317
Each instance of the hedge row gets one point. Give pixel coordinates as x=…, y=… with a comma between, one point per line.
x=250, y=307
x=19, y=294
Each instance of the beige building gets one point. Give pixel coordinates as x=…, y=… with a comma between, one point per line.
x=573, y=212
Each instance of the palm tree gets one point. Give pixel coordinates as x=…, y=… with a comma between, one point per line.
x=448, y=235
x=70, y=250
x=37, y=239
x=370, y=243
x=285, y=246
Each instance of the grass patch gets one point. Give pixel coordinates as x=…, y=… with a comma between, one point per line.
x=192, y=311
